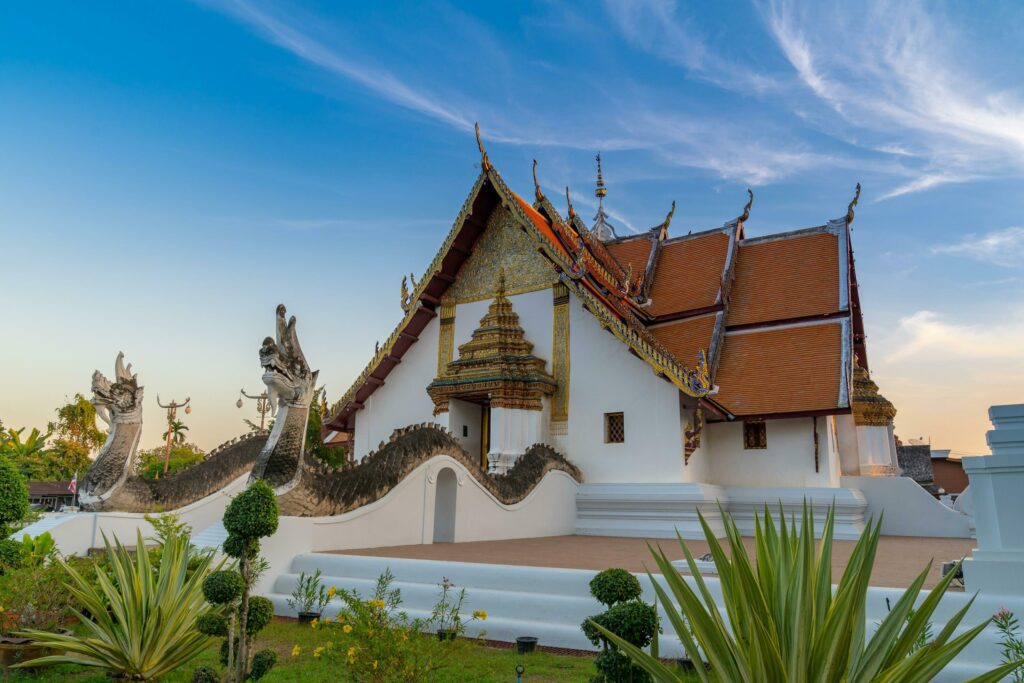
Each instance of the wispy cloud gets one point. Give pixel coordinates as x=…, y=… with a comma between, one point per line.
x=656, y=26
x=896, y=68
x=1000, y=247
x=930, y=336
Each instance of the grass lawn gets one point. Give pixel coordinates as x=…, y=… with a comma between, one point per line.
x=465, y=661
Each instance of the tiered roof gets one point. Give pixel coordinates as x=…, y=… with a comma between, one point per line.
x=769, y=320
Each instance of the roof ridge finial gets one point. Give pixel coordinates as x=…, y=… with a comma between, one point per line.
x=501, y=283
x=853, y=203
x=600, y=190
x=568, y=199
x=484, y=161
x=536, y=186
x=746, y=209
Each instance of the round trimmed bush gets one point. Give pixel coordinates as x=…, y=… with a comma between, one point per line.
x=262, y=662
x=614, y=585
x=238, y=547
x=253, y=513
x=261, y=611
x=205, y=674
x=634, y=621
x=13, y=494
x=211, y=624
x=223, y=586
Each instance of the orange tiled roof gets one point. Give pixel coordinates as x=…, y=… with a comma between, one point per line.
x=781, y=370
x=684, y=338
x=780, y=279
x=633, y=251
x=689, y=273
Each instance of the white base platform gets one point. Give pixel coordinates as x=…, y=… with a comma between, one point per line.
x=659, y=510
x=550, y=603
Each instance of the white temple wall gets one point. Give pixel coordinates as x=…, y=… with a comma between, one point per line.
x=606, y=378
x=849, y=453
x=787, y=461
x=403, y=400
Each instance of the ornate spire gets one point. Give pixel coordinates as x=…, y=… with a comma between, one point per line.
x=602, y=229
x=536, y=185
x=746, y=209
x=484, y=161
x=853, y=203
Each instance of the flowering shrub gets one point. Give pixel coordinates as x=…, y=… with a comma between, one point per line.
x=447, y=614
x=373, y=641
x=1013, y=646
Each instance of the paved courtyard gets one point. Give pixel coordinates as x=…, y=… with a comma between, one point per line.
x=898, y=561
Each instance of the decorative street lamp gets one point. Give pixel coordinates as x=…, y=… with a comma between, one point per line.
x=172, y=412
x=262, y=404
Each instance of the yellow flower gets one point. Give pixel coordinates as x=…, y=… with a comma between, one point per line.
x=375, y=665
x=314, y=624
x=332, y=591
x=379, y=604
x=296, y=651
x=317, y=652
x=346, y=628
x=480, y=614
x=351, y=653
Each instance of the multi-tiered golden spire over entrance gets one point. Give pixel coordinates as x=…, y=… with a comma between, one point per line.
x=496, y=365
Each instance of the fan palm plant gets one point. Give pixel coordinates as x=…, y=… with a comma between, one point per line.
x=784, y=620
x=143, y=623
x=177, y=431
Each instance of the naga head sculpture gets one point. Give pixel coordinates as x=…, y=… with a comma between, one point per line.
x=285, y=370
x=120, y=400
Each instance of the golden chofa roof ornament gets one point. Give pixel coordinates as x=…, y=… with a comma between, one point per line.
x=853, y=205
x=497, y=364
x=484, y=161
x=870, y=408
x=746, y=208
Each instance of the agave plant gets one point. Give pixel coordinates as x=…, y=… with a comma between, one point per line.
x=143, y=621
x=784, y=620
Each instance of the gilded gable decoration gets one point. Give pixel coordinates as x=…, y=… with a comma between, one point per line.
x=560, y=354
x=497, y=364
x=503, y=246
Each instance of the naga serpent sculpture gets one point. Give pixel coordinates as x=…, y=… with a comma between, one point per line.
x=303, y=488
x=111, y=483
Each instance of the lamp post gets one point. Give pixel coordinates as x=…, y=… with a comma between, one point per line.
x=172, y=412
x=262, y=404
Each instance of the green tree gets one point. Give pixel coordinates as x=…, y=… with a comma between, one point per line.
x=76, y=422
x=17, y=450
x=13, y=496
x=177, y=431
x=150, y=463
x=315, y=446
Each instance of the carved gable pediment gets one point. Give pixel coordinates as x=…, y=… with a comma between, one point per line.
x=504, y=246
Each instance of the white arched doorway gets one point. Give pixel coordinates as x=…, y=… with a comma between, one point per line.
x=444, y=506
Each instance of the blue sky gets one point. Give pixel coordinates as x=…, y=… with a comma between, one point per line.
x=169, y=172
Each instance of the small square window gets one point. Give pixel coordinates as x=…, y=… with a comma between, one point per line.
x=754, y=435
x=465, y=430
x=614, y=428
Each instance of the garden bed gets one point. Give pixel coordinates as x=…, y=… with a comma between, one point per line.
x=463, y=660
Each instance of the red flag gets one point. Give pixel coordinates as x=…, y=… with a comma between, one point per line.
x=73, y=484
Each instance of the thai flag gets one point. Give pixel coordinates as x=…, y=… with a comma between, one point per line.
x=73, y=484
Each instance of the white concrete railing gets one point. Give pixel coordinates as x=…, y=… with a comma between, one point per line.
x=997, y=493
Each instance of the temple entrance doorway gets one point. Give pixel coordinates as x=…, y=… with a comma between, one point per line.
x=444, y=506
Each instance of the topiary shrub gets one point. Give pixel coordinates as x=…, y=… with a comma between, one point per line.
x=614, y=585
x=262, y=662
x=212, y=624
x=205, y=674
x=13, y=495
x=261, y=611
x=627, y=617
x=223, y=587
x=252, y=515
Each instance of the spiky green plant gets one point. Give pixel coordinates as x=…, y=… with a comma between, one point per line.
x=143, y=622
x=785, y=622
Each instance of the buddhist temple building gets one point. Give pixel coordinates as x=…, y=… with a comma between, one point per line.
x=708, y=357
